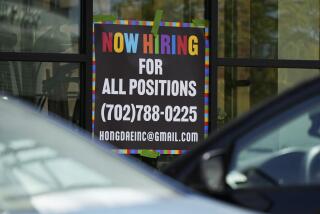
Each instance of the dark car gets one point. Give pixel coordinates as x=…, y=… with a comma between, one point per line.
x=268, y=160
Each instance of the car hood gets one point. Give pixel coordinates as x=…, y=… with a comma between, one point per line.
x=123, y=201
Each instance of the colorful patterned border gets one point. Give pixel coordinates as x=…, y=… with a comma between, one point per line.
x=206, y=83
x=150, y=23
x=93, y=89
x=207, y=74
x=138, y=151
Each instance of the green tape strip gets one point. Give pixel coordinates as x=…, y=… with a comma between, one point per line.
x=156, y=46
x=156, y=22
x=104, y=18
x=149, y=153
x=200, y=22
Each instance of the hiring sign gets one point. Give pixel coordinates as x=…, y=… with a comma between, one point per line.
x=150, y=91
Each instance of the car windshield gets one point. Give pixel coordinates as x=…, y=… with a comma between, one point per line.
x=41, y=161
x=295, y=129
x=282, y=151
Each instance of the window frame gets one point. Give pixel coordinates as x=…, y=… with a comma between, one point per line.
x=83, y=58
x=216, y=62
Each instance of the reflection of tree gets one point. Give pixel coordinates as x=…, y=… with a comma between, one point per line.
x=249, y=28
x=264, y=29
x=264, y=85
x=174, y=10
x=299, y=29
x=268, y=29
x=264, y=18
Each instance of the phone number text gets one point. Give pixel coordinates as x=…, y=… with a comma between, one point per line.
x=153, y=113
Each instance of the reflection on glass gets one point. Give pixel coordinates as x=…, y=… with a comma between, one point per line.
x=49, y=26
x=52, y=87
x=242, y=88
x=287, y=140
x=278, y=29
x=174, y=10
x=46, y=168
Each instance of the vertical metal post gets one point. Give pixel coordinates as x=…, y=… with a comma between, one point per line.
x=86, y=67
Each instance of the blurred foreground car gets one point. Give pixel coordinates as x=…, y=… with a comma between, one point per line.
x=269, y=160
x=47, y=168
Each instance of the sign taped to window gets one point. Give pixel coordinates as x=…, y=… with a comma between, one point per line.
x=150, y=92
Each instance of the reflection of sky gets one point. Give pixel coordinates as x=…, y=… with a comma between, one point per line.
x=73, y=201
x=272, y=14
x=39, y=169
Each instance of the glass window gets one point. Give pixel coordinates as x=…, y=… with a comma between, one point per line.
x=50, y=26
x=174, y=10
x=281, y=152
x=271, y=29
x=242, y=88
x=52, y=87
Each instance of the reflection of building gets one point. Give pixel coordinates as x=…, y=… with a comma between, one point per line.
x=264, y=48
x=41, y=27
